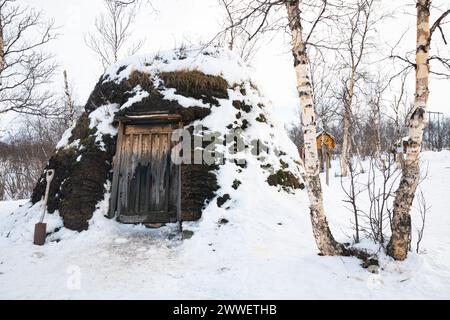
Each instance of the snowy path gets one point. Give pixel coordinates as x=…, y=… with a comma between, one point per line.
x=267, y=252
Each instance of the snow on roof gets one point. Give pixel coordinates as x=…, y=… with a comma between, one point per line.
x=210, y=61
x=319, y=133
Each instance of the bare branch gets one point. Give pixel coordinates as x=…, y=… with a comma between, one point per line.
x=25, y=70
x=437, y=24
x=113, y=32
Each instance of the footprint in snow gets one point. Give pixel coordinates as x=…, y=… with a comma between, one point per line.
x=37, y=255
x=120, y=240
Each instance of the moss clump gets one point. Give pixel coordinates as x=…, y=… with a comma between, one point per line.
x=286, y=179
x=245, y=124
x=140, y=79
x=284, y=165
x=261, y=118
x=241, y=163
x=196, y=84
x=81, y=130
x=266, y=166
x=198, y=187
x=241, y=88
x=236, y=184
x=221, y=200
x=108, y=91
x=242, y=106
x=85, y=135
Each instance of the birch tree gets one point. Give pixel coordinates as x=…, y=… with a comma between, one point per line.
x=259, y=13
x=400, y=241
x=356, y=40
x=113, y=30
x=324, y=239
x=236, y=37
x=25, y=69
x=68, y=101
x=375, y=97
x=323, y=81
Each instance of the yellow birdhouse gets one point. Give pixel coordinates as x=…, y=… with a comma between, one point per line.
x=325, y=139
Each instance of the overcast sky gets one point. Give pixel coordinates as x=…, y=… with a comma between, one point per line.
x=181, y=21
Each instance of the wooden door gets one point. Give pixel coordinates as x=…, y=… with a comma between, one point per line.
x=147, y=181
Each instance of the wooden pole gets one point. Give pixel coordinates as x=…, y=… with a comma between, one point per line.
x=327, y=165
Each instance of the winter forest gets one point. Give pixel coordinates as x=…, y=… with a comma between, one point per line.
x=225, y=149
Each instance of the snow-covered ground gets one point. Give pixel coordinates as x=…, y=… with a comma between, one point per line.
x=264, y=251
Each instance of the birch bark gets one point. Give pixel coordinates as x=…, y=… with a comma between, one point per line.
x=346, y=141
x=399, y=243
x=324, y=239
x=69, y=101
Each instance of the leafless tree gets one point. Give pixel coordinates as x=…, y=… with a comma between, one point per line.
x=352, y=191
x=26, y=154
x=423, y=209
x=401, y=220
x=68, y=101
x=236, y=37
x=301, y=27
x=381, y=181
x=113, y=29
x=323, y=80
x=357, y=29
x=25, y=69
x=400, y=108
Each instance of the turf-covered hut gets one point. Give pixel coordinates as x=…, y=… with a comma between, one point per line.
x=121, y=147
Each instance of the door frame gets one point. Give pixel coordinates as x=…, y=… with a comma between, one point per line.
x=148, y=119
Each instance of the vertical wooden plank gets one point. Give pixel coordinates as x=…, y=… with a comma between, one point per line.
x=128, y=173
x=137, y=150
x=157, y=169
x=134, y=174
x=116, y=172
x=123, y=176
x=149, y=174
x=131, y=166
x=144, y=173
x=163, y=174
x=166, y=172
x=151, y=196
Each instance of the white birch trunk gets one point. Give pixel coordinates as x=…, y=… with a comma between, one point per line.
x=401, y=221
x=346, y=138
x=69, y=101
x=324, y=239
